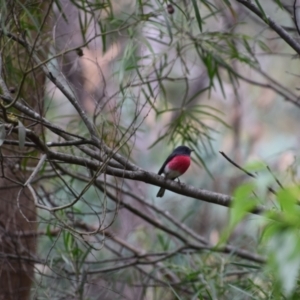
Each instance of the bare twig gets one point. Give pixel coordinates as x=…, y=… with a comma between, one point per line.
x=236, y=165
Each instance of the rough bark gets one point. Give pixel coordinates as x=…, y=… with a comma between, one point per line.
x=17, y=209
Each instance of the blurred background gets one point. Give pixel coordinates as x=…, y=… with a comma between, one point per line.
x=206, y=91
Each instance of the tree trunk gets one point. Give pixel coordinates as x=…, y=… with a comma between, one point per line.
x=17, y=208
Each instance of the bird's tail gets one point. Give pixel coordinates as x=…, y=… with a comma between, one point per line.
x=161, y=192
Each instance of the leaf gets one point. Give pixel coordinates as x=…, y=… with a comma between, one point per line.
x=263, y=46
x=285, y=248
x=198, y=17
x=243, y=202
x=61, y=11
x=103, y=36
x=261, y=10
x=279, y=4
x=48, y=232
x=287, y=199
x=255, y=166
x=21, y=134
x=165, y=243
x=2, y=134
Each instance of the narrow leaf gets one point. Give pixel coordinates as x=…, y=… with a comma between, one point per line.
x=22, y=134
x=2, y=134
x=197, y=13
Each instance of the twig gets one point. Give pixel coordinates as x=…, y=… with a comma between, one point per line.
x=277, y=28
x=276, y=179
x=236, y=165
x=295, y=16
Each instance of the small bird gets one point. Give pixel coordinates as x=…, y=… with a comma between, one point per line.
x=175, y=165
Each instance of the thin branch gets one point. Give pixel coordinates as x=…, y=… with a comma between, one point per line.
x=152, y=178
x=275, y=178
x=226, y=249
x=277, y=28
x=236, y=165
x=295, y=16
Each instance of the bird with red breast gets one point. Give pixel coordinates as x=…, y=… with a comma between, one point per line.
x=175, y=165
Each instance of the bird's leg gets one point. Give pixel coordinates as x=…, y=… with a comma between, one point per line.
x=181, y=183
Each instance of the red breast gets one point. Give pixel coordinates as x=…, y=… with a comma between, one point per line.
x=179, y=163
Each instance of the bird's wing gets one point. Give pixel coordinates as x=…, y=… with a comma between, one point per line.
x=161, y=170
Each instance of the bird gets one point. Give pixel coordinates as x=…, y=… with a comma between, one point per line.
x=175, y=165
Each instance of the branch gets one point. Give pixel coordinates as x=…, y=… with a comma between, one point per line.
x=152, y=178
x=236, y=165
x=157, y=224
x=73, y=100
x=295, y=16
x=277, y=28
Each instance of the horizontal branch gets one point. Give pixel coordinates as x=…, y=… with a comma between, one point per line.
x=151, y=178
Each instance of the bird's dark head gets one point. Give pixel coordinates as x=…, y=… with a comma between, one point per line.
x=182, y=150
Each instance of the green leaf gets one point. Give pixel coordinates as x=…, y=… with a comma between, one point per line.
x=48, y=232
x=21, y=134
x=263, y=46
x=2, y=134
x=165, y=244
x=255, y=166
x=284, y=248
x=287, y=198
x=103, y=36
x=279, y=4
x=243, y=202
x=261, y=9
x=197, y=13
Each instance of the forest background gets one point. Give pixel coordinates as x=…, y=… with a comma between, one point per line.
x=95, y=95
